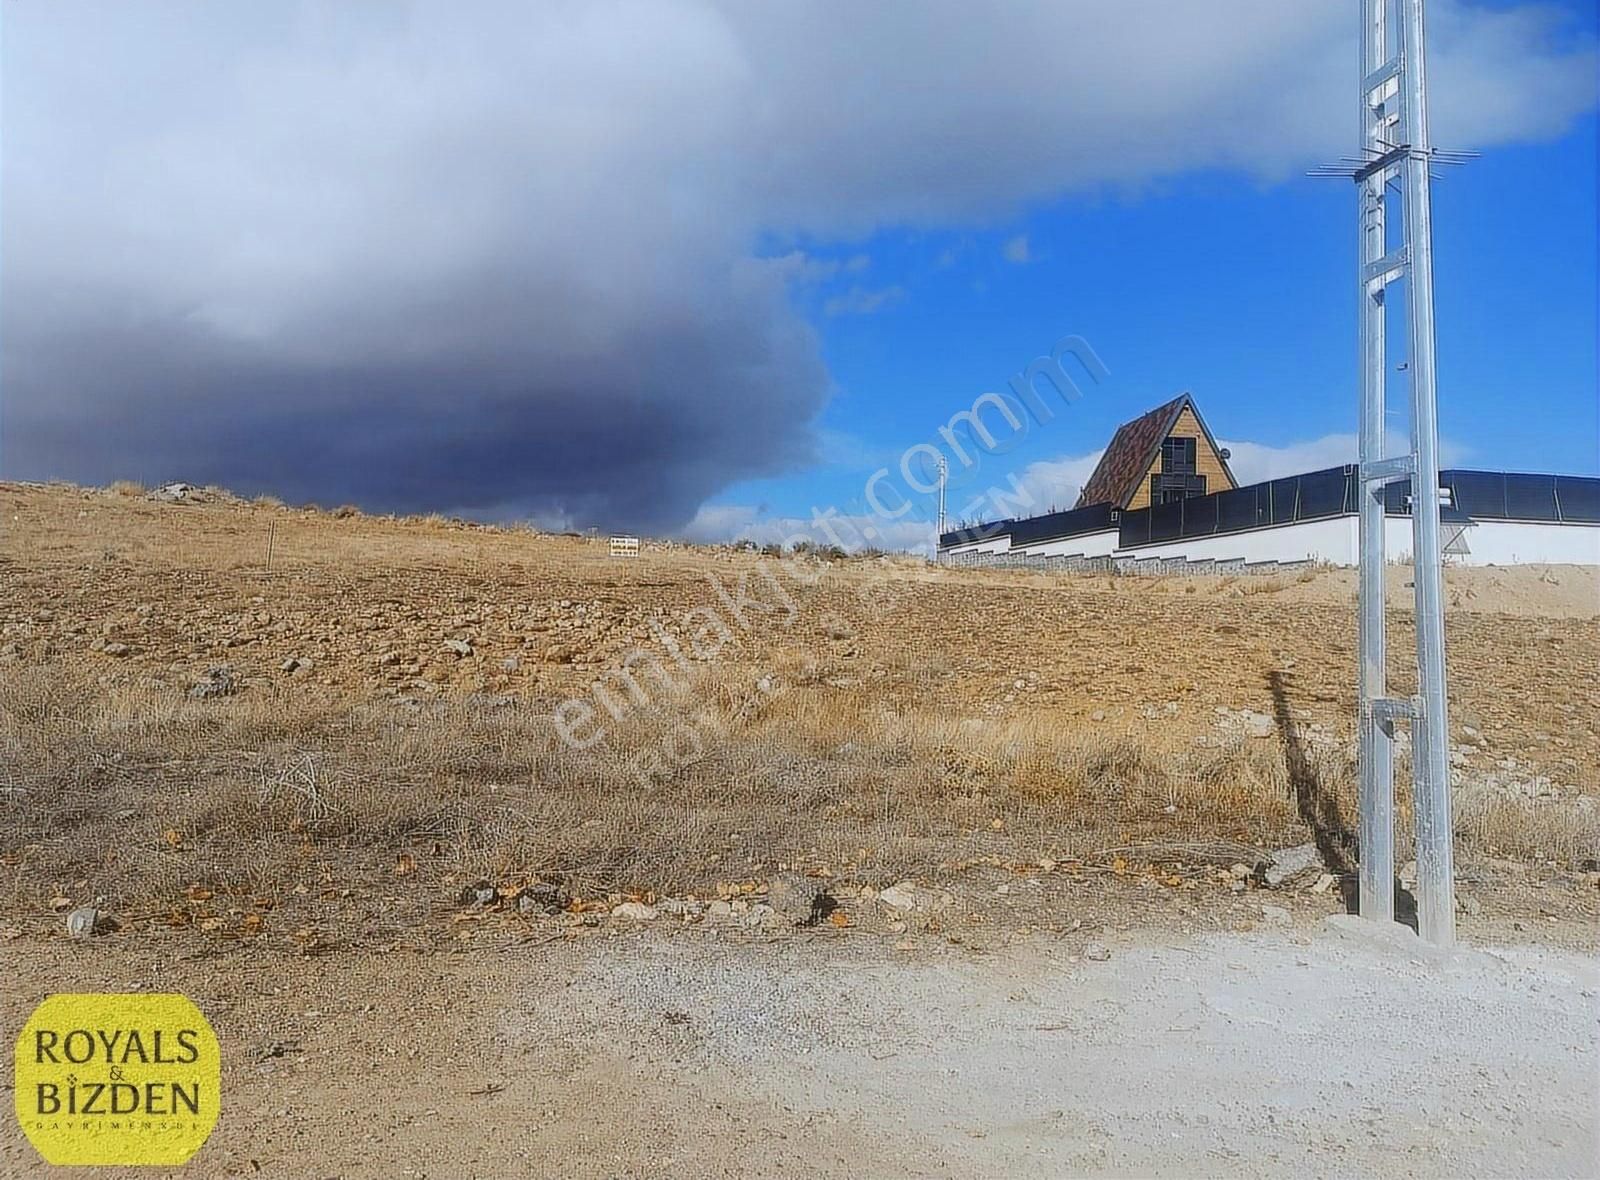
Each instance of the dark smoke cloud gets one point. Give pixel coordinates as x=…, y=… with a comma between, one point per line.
x=497, y=258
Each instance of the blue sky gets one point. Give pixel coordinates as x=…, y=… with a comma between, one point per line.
x=1236, y=290
x=695, y=267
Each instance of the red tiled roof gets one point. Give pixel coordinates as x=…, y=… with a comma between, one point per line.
x=1128, y=457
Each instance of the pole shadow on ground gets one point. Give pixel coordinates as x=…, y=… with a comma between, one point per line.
x=1320, y=811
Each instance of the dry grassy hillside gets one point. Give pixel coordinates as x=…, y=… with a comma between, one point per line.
x=220, y=700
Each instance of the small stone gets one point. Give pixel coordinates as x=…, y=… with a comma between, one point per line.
x=719, y=909
x=543, y=897
x=902, y=896
x=637, y=911
x=1097, y=952
x=799, y=898
x=1239, y=872
x=217, y=682
x=479, y=893
x=1324, y=883
x=117, y=650
x=86, y=922
x=459, y=646
x=1256, y=725
x=510, y=664
x=1289, y=863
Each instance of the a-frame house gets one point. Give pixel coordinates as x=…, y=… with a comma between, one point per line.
x=1167, y=454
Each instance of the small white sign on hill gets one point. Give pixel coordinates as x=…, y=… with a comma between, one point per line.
x=624, y=546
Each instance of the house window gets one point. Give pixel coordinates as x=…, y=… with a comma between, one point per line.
x=1177, y=456
x=1167, y=486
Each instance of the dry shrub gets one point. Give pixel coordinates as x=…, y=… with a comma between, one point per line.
x=140, y=791
x=127, y=487
x=1505, y=824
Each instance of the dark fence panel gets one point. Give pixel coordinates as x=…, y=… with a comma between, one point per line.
x=1059, y=525
x=1531, y=497
x=1285, y=497
x=1322, y=493
x=1482, y=495
x=1236, y=510
x=977, y=532
x=1133, y=528
x=1578, y=497
x=1200, y=516
x=1166, y=521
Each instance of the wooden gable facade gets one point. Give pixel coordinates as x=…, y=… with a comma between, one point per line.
x=1167, y=454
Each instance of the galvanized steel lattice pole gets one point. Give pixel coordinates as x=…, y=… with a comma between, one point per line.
x=1395, y=145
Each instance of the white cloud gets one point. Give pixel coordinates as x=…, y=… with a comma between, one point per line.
x=1055, y=483
x=719, y=523
x=861, y=301
x=799, y=267
x=1016, y=250
x=1253, y=462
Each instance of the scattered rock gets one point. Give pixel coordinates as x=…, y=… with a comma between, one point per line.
x=295, y=665
x=217, y=682
x=173, y=492
x=908, y=895
x=459, y=646
x=87, y=921
x=635, y=911
x=1289, y=863
x=799, y=898
x=543, y=897
x=1097, y=952
x=1469, y=905
x=479, y=893
x=1324, y=883
x=117, y=650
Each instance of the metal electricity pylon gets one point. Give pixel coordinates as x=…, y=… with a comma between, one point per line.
x=1396, y=151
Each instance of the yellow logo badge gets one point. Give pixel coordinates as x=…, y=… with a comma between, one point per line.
x=118, y=1079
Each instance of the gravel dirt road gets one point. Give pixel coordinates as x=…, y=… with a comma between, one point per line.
x=1312, y=1050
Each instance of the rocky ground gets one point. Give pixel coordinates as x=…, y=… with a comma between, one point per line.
x=303, y=766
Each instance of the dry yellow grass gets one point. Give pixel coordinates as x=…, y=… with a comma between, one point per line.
x=397, y=681
x=145, y=792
